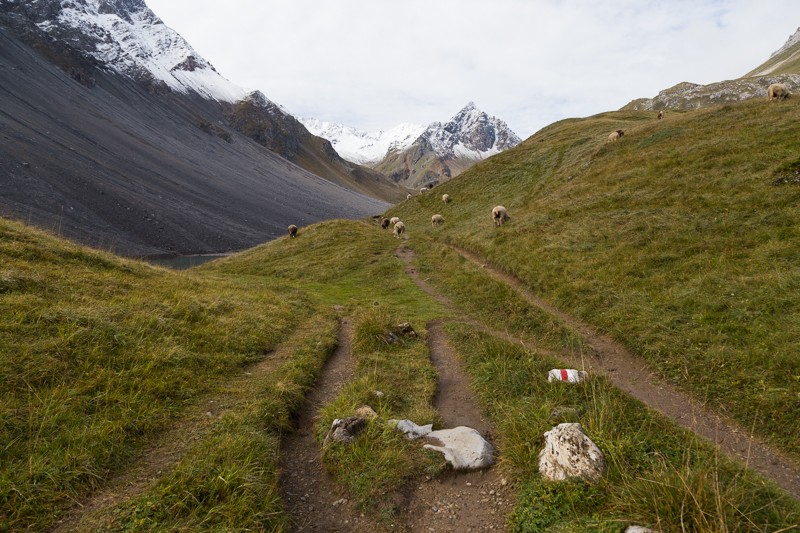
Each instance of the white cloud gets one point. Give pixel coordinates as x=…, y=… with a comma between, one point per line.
x=375, y=63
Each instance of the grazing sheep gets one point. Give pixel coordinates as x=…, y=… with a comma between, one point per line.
x=437, y=220
x=660, y=115
x=394, y=220
x=500, y=215
x=615, y=135
x=384, y=222
x=399, y=228
x=446, y=198
x=408, y=196
x=423, y=190
x=778, y=91
x=292, y=231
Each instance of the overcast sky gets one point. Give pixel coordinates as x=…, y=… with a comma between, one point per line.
x=373, y=64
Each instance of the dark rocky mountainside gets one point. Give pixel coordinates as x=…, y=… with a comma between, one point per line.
x=111, y=155
x=445, y=150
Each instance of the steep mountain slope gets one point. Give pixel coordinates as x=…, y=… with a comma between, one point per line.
x=105, y=144
x=446, y=150
x=785, y=60
x=361, y=146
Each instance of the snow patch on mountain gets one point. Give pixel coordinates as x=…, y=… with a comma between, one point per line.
x=360, y=146
x=136, y=43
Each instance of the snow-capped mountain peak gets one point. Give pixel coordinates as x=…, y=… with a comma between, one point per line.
x=361, y=146
x=127, y=37
x=470, y=133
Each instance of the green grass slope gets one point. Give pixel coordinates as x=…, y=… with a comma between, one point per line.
x=682, y=240
x=102, y=358
x=786, y=62
x=98, y=354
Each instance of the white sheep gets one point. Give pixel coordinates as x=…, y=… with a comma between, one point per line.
x=399, y=229
x=423, y=190
x=292, y=231
x=615, y=136
x=408, y=196
x=394, y=220
x=660, y=114
x=778, y=91
x=446, y=198
x=437, y=220
x=500, y=215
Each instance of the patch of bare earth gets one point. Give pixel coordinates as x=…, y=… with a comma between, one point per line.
x=313, y=500
x=144, y=470
x=634, y=376
x=472, y=501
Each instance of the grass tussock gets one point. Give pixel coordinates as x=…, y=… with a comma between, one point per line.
x=382, y=461
x=658, y=474
x=673, y=240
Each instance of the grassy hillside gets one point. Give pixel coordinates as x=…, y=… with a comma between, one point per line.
x=682, y=240
x=106, y=361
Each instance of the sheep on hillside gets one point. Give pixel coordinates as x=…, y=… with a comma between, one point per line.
x=399, y=228
x=384, y=222
x=446, y=198
x=423, y=190
x=615, y=135
x=394, y=220
x=408, y=196
x=660, y=114
x=292, y=231
x=500, y=215
x=437, y=220
x=778, y=91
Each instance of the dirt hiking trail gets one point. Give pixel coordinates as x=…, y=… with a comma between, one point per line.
x=313, y=500
x=148, y=465
x=632, y=375
x=473, y=501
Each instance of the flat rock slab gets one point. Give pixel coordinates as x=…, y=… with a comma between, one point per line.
x=464, y=448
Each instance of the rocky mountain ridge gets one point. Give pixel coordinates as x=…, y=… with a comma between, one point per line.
x=444, y=150
x=783, y=66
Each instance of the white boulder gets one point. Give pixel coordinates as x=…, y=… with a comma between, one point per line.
x=463, y=447
x=569, y=453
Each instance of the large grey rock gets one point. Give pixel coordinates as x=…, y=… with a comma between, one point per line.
x=463, y=447
x=569, y=453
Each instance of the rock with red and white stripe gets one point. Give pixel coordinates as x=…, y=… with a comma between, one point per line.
x=567, y=374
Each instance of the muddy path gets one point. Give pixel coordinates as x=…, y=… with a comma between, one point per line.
x=634, y=376
x=472, y=501
x=312, y=498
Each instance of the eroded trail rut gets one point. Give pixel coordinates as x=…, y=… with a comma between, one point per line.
x=313, y=499
x=632, y=375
